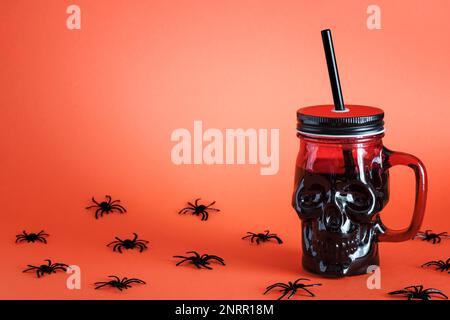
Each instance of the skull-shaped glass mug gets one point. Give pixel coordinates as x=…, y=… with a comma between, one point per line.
x=342, y=184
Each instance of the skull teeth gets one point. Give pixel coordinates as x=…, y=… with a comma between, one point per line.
x=338, y=250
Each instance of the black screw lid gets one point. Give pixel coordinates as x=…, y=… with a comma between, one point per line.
x=355, y=121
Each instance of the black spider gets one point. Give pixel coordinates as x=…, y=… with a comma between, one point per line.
x=106, y=206
x=129, y=244
x=440, y=264
x=118, y=283
x=292, y=286
x=418, y=293
x=32, y=237
x=199, y=209
x=266, y=236
x=48, y=268
x=430, y=236
x=200, y=261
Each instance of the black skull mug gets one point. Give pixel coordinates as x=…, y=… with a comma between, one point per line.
x=341, y=186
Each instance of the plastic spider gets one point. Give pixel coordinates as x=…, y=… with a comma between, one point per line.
x=263, y=237
x=440, y=264
x=48, y=268
x=106, y=206
x=32, y=237
x=199, y=209
x=430, y=236
x=129, y=244
x=292, y=286
x=200, y=261
x=418, y=293
x=118, y=283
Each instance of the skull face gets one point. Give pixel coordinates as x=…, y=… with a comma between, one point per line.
x=340, y=221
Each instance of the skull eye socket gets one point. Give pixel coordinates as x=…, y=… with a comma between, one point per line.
x=311, y=197
x=358, y=198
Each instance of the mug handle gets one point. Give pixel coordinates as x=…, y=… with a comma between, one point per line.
x=393, y=158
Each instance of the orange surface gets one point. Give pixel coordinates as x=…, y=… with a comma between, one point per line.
x=90, y=112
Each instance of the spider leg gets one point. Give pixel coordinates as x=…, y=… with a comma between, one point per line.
x=204, y=215
x=116, y=207
x=219, y=259
x=301, y=279
x=111, y=243
x=294, y=291
x=114, y=277
x=310, y=293
x=411, y=287
x=185, y=210
x=438, y=239
x=102, y=285
x=20, y=239
x=92, y=206
x=59, y=268
x=135, y=237
x=435, y=291
x=212, y=203
x=430, y=263
x=119, y=247
x=182, y=261
x=196, y=202
x=42, y=239
x=195, y=253
x=279, y=284
x=286, y=291
x=119, y=206
x=30, y=268
x=182, y=257
x=97, y=211
x=257, y=240
x=142, y=247
x=276, y=238
x=399, y=292
x=134, y=280
x=205, y=265
x=209, y=206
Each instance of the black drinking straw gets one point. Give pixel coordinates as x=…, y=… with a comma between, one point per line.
x=333, y=70
x=349, y=164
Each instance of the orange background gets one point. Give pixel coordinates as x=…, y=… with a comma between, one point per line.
x=90, y=112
